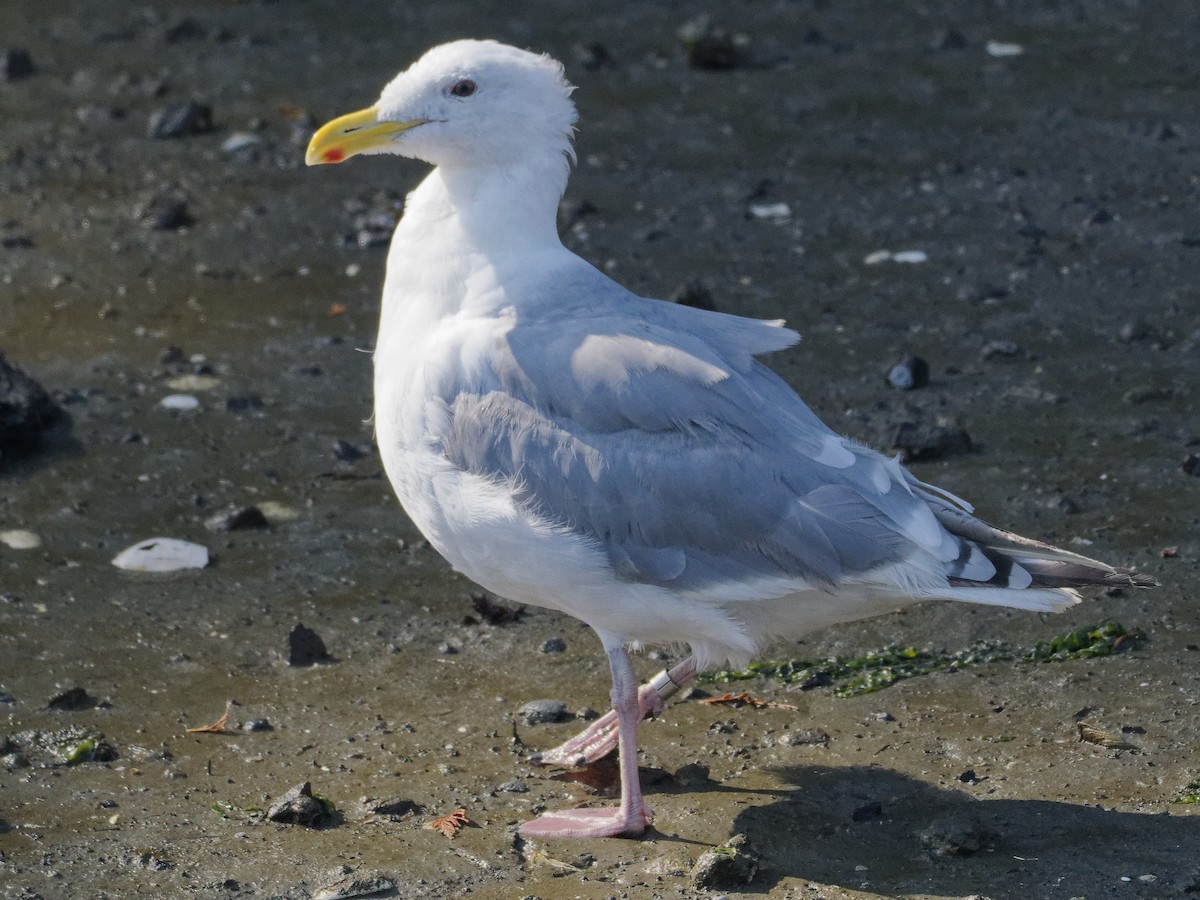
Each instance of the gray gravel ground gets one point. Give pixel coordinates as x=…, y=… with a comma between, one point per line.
x=1053, y=193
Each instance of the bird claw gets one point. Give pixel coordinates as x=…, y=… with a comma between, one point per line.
x=589, y=823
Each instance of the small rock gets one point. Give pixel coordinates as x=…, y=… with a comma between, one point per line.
x=243, y=404
x=14, y=760
x=347, y=452
x=180, y=119
x=237, y=518
x=26, y=411
x=305, y=647
x=708, y=47
x=1191, y=464
x=15, y=64
x=910, y=373
x=255, y=725
x=968, y=777
x=1000, y=49
x=516, y=786
x=165, y=211
x=776, y=212
x=949, y=39
x=73, y=700
x=992, y=349
x=396, y=808
x=239, y=141
x=180, y=402
x=814, y=737
x=693, y=293
x=344, y=885
x=1134, y=330
x=727, y=867
x=956, y=834
x=550, y=645
x=876, y=257
x=692, y=775
x=540, y=712
x=298, y=807
x=910, y=257
x=20, y=539
x=162, y=554
x=923, y=442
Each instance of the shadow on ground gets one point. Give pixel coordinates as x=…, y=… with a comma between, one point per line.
x=908, y=837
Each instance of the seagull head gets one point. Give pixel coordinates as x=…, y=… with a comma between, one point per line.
x=464, y=103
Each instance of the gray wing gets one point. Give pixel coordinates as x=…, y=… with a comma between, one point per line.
x=651, y=429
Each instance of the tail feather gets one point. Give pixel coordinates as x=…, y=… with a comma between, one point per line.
x=1048, y=566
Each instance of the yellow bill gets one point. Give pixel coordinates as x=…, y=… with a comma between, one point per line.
x=352, y=134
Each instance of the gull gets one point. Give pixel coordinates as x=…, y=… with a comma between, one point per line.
x=566, y=443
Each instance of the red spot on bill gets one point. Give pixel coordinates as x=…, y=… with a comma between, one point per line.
x=333, y=155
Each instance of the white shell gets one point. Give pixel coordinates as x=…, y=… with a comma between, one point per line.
x=19, y=539
x=162, y=555
x=179, y=401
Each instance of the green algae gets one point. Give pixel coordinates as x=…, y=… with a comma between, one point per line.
x=878, y=669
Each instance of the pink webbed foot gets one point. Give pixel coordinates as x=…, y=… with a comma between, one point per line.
x=600, y=738
x=589, y=823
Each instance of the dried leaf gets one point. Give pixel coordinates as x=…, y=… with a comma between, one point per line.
x=744, y=699
x=450, y=823
x=216, y=727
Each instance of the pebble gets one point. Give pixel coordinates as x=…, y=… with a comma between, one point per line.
x=923, y=442
x=162, y=554
x=993, y=349
x=180, y=119
x=554, y=645
x=182, y=402
x=298, y=807
x=237, y=518
x=692, y=775
x=777, y=212
x=191, y=382
x=19, y=539
x=305, y=647
x=254, y=725
x=910, y=373
x=344, y=885
x=15, y=64
x=730, y=866
x=708, y=47
x=26, y=410
x=540, y=712
x=910, y=256
x=164, y=212
x=516, y=786
x=72, y=700
x=240, y=140
x=1001, y=49
x=396, y=808
x=1191, y=464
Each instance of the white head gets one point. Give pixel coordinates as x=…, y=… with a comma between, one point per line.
x=461, y=104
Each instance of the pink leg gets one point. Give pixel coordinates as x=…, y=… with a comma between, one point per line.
x=599, y=738
x=632, y=816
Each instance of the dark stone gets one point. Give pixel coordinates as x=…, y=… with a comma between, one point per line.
x=26, y=411
x=72, y=700
x=820, y=679
x=956, y=834
x=516, y=786
x=541, y=712
x=692, y=775
x=923, y=442
x=395, y=808
x=180, y=119
x=993, y=349
x=693, y=293
x=494, y=613
x=254, y=725
x=554, y=645
x=950, y=39
x=185, y=30
x=238, y=518
x=243, y=404
x=305, y=647
x=299, y=807
x=910, y=373
x=591, y=56
x=708, y=47
x=1191, y=464
x=15, y=64
x=728, y=867
x=968, y=777
x=347, y=452
x=164, y=212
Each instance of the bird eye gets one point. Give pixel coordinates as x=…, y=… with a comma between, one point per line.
x=464, y=88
